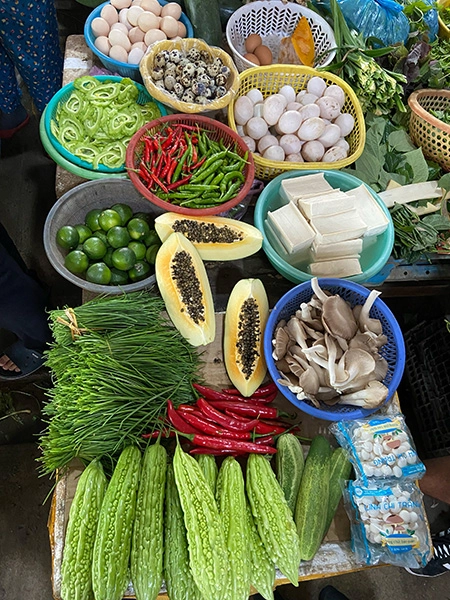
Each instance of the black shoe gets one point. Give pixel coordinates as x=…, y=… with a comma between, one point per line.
x=440, y=561
x=331, y=593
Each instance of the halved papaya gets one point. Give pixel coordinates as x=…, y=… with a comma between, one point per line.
x=245, y=320
x=184, y=286
x=215, y=238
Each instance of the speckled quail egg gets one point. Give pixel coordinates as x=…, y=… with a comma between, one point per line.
x=201, y=64
x=209, y=93
x=169, y=82
x=178, y=89
x=175, y=56
x=221, y=91
x=220, y=79
x=158, y=74
x=189, y=70
x=160, y=84
x=201, y=100
x=170, y=68
x=205, y=55
x=161, y=58
x=188, y=96
x=185, y=80
x=214, y=68
x=204, y=78
x=193, y=54
x=199, y=88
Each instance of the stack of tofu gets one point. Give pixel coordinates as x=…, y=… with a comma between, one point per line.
x=326, y=226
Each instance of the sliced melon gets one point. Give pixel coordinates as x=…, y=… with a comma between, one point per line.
x=245, y=320
x=184, y=286
x=216, y=238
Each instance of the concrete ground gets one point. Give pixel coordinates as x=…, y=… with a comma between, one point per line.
x=26, y=195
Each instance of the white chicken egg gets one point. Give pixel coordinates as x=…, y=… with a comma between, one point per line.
x=133, y=14
x=119, y=4
x=152, y=5
x=102, y=44
x=140, y=45
x=123, y=18
x=136, y=35
x=170, y=26
x=182, y=31
x=154, y=35
x=120, y=27
x=119, y=38
x=148, y=20
x=110, y=14
x=100, y=27
x=135, y=55
x=171, y=9
x=118, y=53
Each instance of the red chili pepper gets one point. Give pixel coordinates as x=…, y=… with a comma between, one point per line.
x=160, y=183
x=265, y=390
x=171, y=170
x=173, y=186
x=215, y=415
x=211, y=394
x=222, y=452
x=264, y=428
x=208, y=441
x=267, y=439
x=212, y=429
x=178, y=421
x=155, y=434
x=247, y=409
x=197, y=164
x=187, y=407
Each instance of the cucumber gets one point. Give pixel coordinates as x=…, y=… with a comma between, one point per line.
x=340, y=469
x=311, y=510
x=289, y=466
x=205, y=18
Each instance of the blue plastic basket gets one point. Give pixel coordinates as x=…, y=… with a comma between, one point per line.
x=393, y=351
x=62, y=96
x=116, y=66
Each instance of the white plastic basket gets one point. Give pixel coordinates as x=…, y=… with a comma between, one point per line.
x=274, y=20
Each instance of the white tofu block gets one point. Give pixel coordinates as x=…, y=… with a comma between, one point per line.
x=291, y=227
x=370, y=211
x=294, y=187
x=344, y=267
x=345, y=249
x=338, y=227
x=299, y=259
x=327, y=204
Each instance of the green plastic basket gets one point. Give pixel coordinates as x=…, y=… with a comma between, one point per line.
x=373, y=256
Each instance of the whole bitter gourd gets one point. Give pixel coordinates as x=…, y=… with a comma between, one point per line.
x=76, y=568
x=340, y=469
x=209, y=467
x=208, y=555
x=262, y=572
x=312, y=502
x=289, y=466
x=147, y=541
x=232, y=505
x=177, y=571
x=115, y=525
x=273, y=516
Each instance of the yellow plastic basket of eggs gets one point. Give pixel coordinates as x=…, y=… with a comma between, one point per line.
x=207, y=80
x=294, y=117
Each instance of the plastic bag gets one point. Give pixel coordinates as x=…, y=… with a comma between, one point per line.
x=388, y=524
x=379, y=448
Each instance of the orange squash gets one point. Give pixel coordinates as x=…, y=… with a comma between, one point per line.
x=303, y=42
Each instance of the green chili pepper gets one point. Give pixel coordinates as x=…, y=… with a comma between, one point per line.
x=179, y=167
x=218, y=178
x=231, y=192
x=211, y=169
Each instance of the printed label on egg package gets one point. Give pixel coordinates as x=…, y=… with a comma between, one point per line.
x=400, y=542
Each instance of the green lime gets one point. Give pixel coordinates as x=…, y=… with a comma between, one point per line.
x=67, y=237
x=147, y=217
x=94, y=248
x=124, y=211
x=150, y=255
x=151, y=238
x=79, y=247
x=109, y=218
x=99, y=273
x=118, y=237
x=138, y=248
x=107, y=259
x=91, y=219
x=101, y=235
x=137, y=228
x=118, y=277
x=76, y=262
x=123, y=259
x=84, y=232
x=140, y=271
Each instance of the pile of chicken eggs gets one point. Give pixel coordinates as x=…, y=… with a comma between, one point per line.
x=125, y=28
x=296, y=127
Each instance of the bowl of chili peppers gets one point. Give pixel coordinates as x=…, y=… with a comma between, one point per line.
x=190, y=164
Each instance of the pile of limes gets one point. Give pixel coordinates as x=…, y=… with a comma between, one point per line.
x=114, y=246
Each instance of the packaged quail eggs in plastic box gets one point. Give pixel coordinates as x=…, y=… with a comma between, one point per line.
x=380, y=448
x=388, y=523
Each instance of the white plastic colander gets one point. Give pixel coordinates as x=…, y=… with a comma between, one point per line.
x=274, y=20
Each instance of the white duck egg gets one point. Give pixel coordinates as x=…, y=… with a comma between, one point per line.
x=309, y=111
x=297, y=158
x=135, y=55
x=147, y=20
x=329, y=137
x=316, y=86
x=182, y=31
x=243, y=110
x=311, y=129
x=120, y=27
x=123, y=18
x=273, y=108
x=313, y=151
x=110, y=14
x=118, y=53
x=255, y=95
x=102, y=44
x=329, y=107
x=308, y=99
x=290, y=144
x=250, y=142
x=136, y=35
x=288, y=92
x=294, y=106
x=335, y=91
x=153, y=5
x=240, y=130
x=345, y=122
x=258, y=109
x=299, y=96
x=119, y=4
x=119, y=38
x=170, y=26
x=171, y=9
x=257, y=128
x=342, y=143
x=266, y=141
x=100, y=26
x=274, y=153
x=289, y=121
x=154, y=35
x=334, y=154
x=133, y=14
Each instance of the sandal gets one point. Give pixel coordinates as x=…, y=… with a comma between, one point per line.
x=27, y=360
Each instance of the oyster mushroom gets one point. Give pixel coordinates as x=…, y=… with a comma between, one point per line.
x=308, y=316
x=381, y=367
x=332, y=352
x=309, y=381
x=337, y=316
x=374, y=394
x=281, y=343
x=295, y=329
x=367, y=323
x=282, y=365
x=294, y=366
x=354, y=369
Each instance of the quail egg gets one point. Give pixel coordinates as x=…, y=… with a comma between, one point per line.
x=193, y=54
x=178, y=89
x=188, y=96
x=161, y=58
x=175, y=56
x=169, y=82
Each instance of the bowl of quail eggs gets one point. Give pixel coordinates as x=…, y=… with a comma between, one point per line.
x=189, y=76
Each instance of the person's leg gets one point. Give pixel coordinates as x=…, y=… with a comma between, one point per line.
x=436, y=481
